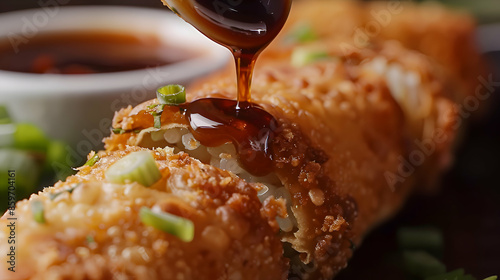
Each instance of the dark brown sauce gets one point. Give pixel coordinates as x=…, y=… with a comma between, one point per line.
x=245, y=27
x=250, y=128
x=88, y=52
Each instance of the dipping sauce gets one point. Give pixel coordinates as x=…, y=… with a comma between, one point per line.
x=245, y=27
x=88, y=52
x=215, y=121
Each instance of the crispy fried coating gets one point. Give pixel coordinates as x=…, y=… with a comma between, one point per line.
x=348, y=125
x=95, y=231
x=359, y=132
x=447, y=36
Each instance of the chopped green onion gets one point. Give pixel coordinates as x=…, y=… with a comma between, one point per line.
x=93, y=160
x=118, y=130
x=303, y=56
x=4, y=115
x=171, y=94
x=491, y=278
x=38, y=211
x=427, y=239
x=90, y=239
x=421, y=264
x=157, y=120
x=53, y=196
x=175, y=225
x=30, y=137
x=301, y=33
x=158, y=110
x=137, y=167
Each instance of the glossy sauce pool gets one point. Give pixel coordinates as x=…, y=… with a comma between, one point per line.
x=88, y=52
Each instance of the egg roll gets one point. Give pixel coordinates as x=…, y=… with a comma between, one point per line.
x=91, y=228
x=350, y=130
x=359, y=127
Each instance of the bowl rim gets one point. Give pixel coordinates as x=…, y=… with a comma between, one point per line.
x=137, y=20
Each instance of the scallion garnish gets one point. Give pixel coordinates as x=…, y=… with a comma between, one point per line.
x=303, y=56
x=90, y=239
x=53, y=196
x=171, y=94
x=301, y=33
x=137, y=167
x=118, y=130
x=157, y=120
x=38, y=211
x=175, y=225
x=93, y=160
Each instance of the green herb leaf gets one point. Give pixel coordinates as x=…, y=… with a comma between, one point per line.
x=93, y=160
x=169, y=223
x=171, y=94
x=38, y=211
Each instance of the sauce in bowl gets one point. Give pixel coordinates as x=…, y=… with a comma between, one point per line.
x=88, y=52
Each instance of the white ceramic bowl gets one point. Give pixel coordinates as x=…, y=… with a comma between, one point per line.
x=79, y=108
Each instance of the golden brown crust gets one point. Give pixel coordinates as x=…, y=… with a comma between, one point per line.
x=446, y=36
x=343, y=128
x=95, y=232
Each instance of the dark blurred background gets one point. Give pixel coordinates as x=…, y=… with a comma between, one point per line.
x=466, y=211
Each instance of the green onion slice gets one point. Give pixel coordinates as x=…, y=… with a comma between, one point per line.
x=137, y=167
x=171, y=94
x=53, y=196
x=118, y=130
x=93, y=160
x=38, y=211
x=304, y=56
x=301, y=33
x=90, y=239
x=491, y=278
x=169, y=223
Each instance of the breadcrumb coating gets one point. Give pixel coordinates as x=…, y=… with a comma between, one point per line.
x=95, y=231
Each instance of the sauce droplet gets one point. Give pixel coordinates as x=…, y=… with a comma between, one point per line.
x=245, y=27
